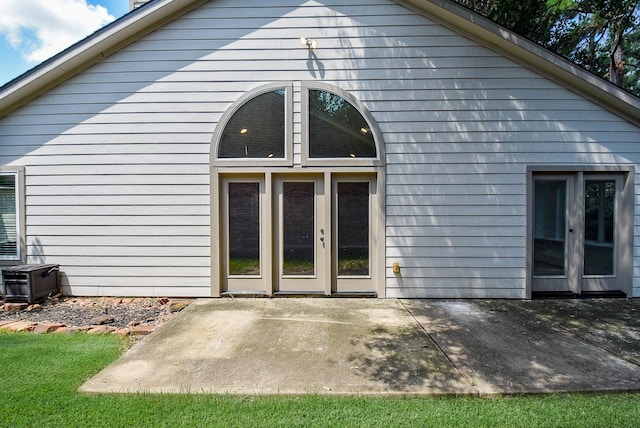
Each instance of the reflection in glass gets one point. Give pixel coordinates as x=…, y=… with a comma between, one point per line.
x=244, y=229
x=549, y=227
x=337, y=129
x=599, y=207
x=353, y=228
x=298, y=217
x=256, y=129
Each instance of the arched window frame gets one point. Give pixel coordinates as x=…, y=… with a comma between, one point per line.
x=377, y=135
x=288, y=131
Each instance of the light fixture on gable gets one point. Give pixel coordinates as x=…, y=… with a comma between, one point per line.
x=306, y=41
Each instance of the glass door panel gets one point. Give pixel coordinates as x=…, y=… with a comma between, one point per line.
x=243, y=237
x=599, y=227
x=299, y=227
x=298, y=218
x=549, y=245
x=244, y=229
x=607, y=263
x=354, y=220
x=353, y=229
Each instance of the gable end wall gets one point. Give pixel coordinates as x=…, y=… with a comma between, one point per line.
x=117, y=158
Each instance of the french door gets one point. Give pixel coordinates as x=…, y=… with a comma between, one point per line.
x=300, y=238
x=581, y=239
x=298, y=234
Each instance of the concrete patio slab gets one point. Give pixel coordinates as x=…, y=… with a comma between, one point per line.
x=286, y=346
x=529, y=346
x=385, y=347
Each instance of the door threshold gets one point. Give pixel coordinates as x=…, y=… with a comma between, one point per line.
x=610, y=294
x=244, y=294
x=613, y=294
x=554, y=295
x=363, y=294
x=298, y=294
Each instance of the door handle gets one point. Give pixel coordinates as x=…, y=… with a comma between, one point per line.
x=570, y=230
x=322, y=238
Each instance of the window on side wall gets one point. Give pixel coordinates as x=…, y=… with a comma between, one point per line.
x=9, y=216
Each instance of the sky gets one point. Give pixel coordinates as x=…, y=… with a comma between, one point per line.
x=32, y=31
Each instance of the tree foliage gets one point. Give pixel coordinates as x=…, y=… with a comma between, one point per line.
x=600, y=35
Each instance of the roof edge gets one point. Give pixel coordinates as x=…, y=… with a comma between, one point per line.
x=153, y=15
x=530, y=54
x=91, y=50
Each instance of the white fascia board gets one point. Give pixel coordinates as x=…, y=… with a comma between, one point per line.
x=533, y=56
x=91, y=50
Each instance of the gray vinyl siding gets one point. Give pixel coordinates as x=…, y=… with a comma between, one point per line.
x=117, y=158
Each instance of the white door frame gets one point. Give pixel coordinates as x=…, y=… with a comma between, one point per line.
x=576, y=281
x=270, y=281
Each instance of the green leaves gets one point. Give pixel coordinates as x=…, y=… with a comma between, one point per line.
x=602, y=36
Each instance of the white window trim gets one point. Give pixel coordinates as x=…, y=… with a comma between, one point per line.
x=18, y=173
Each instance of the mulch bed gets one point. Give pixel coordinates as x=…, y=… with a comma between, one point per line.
x=99, y=315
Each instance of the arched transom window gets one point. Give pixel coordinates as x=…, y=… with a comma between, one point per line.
x=336, y=129
x=256, y=129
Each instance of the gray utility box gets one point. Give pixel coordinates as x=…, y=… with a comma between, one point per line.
x=30, y=283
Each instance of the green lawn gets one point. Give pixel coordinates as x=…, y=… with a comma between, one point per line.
x=40, y=375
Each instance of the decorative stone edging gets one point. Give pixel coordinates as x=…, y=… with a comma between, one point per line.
x=98, y=324
x=137, y=329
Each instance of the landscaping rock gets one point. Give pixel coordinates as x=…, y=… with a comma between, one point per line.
x=102, y=320
x=101, y=329
x=15, y=307
x=18, y=326
x=141, y=330
x=131, y=316
x=47, y=327
x=178, y=305
x=33, y=307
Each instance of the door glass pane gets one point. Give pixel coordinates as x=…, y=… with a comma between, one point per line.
x=353, y=228
x=549, y=227
x=599, y=207
x=298, y=218
x=244, y=228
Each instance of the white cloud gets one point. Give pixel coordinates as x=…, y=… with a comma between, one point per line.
x=39, y=29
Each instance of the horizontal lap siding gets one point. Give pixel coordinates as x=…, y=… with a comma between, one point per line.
x=118, y=166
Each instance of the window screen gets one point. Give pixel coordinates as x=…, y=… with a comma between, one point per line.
x=337, y=129
x=8, y=218
x=256, y=129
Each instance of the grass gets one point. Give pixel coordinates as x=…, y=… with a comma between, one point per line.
x=41, y=373
x=244, y=266
x=346, y=266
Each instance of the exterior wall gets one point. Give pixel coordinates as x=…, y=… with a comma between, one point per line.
x=117, y=159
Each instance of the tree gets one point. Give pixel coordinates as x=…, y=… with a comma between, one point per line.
x=600, y=35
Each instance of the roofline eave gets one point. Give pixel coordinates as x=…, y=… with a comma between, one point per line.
x=142, y=21
x=530, y=54
x=91, y=50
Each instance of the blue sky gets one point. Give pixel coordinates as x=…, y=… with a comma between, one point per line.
x=31, y=31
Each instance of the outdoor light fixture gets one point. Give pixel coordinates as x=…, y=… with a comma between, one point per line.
x=311, y=44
